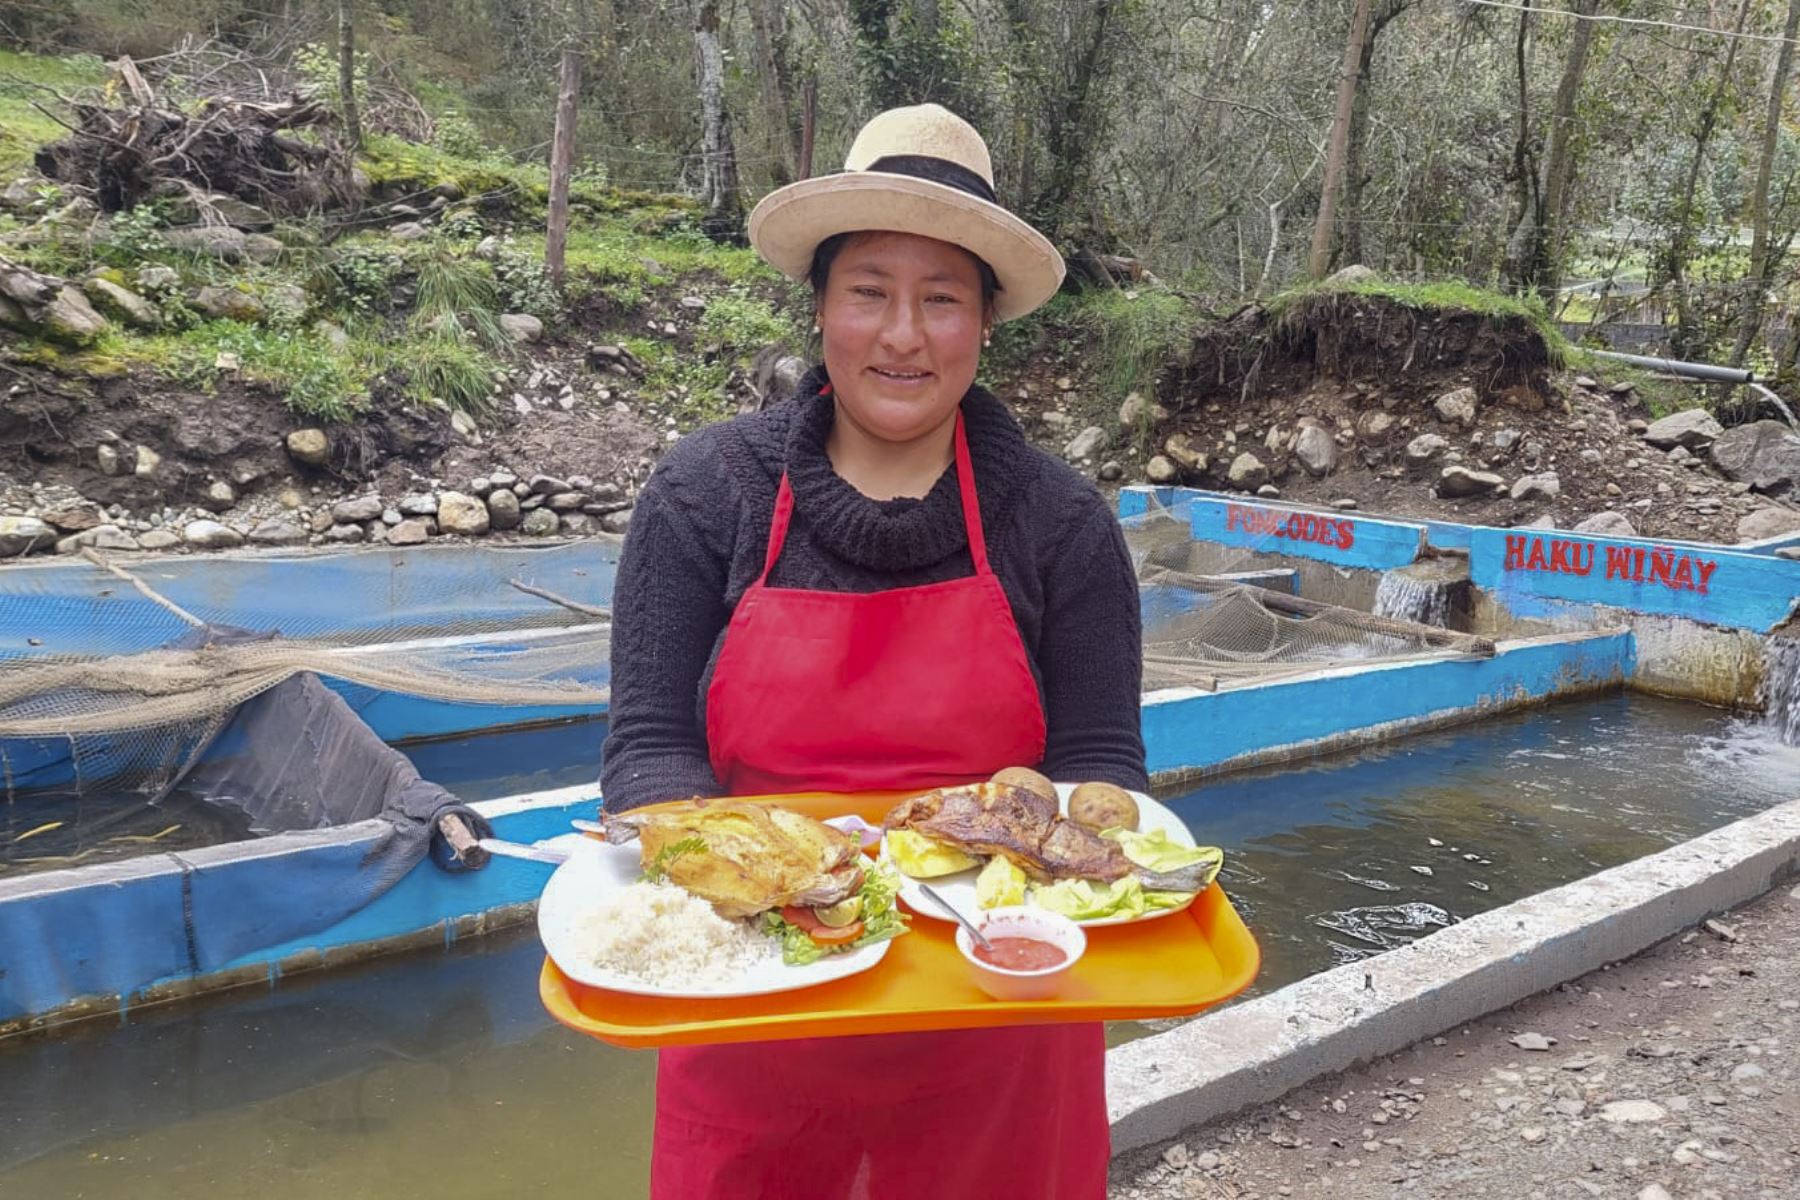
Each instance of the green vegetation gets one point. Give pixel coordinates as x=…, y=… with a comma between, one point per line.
x=1453, y=296
x=1124, y=338
x=24, y=79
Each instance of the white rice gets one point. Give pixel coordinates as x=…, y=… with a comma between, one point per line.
x=667, y=937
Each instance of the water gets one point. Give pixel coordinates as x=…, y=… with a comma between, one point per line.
x=1422, y=593
x=439, y=1072
x=1781, y=689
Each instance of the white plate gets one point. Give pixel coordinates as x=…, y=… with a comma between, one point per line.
x=592, y=874
x=959, y=889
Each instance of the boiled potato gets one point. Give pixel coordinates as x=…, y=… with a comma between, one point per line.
x=924, y=858
x=1030, y=780
x=1103, y=806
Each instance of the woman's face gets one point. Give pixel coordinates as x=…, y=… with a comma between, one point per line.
x=903, y=320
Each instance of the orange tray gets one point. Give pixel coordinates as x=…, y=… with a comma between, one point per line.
x=1173, y=966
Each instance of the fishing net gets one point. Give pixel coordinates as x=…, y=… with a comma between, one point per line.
x=1221, y=628
x=126, y=690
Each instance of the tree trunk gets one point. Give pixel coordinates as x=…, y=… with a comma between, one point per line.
x=1320, y=259
x=562, y=161
x=1559, y=165
x=1527, y=200
x=347, y=73
x=1355, y=170
x=719, y=185
x=1761, y=261
x=809, y=124
x=768, y=24
x=1076, y=130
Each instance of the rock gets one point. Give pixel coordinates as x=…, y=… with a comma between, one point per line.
x=1547, y=486
x=241, y=213
x=1316, y=450
x=488, y=247
x=156, y=278
x=462, y=514
x=1607, y=524
x=409, y=231
x=1654, y=1191
x=1587, y=381
x=522, y=327
x=1181, y=452
x=409, y=533
x=391, y=516
x=1161, y=470
x=419, y=504
x=563, y=502
x=1422, y=449
x=1086, y=444
x=1457, y=482
x=1505, y=441
x=1247, y=472
x=616, y=522
x=72, y=520
x=547, y=485
x=219, y=496
x=332, y=334
x=261, y=248
x=1632, y=1112
x=503, y=509
x=289, y=303
x=122, y=303
x=230, y=303
x=1354, y=273
x=344, y=532
x=1532, y=1135
x=101, y=537
x=308, y=446
x=1376, y=426
x=146, y=463
x=210, y=535
x=158, y=539
x=1747, y=1073
x=216, y=241
x=1680, y=456
x=464, y=424
x=576, y=524
x=108, y=459
x=1694, y=428
x=789, y=371
x=1459, y=407
x=1176, y=1156
x=1269, y=491
x=1136, y=411
x=540, y=522
x=278, y=532
x=22, y=535
x=1533, y=1041
x=1768, y=523
x=1763, y=454
x=1637, y=425
x=503, y=479
x=1111, y=471
x=357, y=510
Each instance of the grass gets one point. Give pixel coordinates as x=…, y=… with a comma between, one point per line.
x=23, y=78
x=1124, y=339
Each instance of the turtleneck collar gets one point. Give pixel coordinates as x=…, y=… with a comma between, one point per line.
x=901, y=534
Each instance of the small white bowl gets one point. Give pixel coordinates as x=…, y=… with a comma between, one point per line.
x=1037, y=923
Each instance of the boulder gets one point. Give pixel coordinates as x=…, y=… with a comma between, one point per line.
x=73, y=520
x=219, y=496
x=309, y=446
x=1457, y=408
x=1161, y=470
x=563, y=502
x=158, y=539
x=616, y=522
x=1181, y=452
x=1547, y=486
x=577, y=524
x=789, y=371
x=409, y=231
x=1376, y=426
x=122, y=303
x=241, y=213
x=215, y=241
x=1086, y=444
x=409, y=533
x=108, y=460
x=540, y=522
x=1316, y=450
x=1607, y=524
x=230, y=304
x=522, y=327
x=287, y=302
x=1422, y=449
x=22, y=535
x=332, y=334
x=147, y=462
x=547, y=485
x=1111, y=471
x=1763, y=454
x=1247, y=472
x=278, y=532
x=1354, y=273
x=419, y=504
x=1458, y=482
x=100, y=537
x=503, y=509
x=1768, y=523
x=261, y=248
x=462, y=514
x=210, y=535
x=158, y=278
x=343, y=532
x=1694, y=428
x=1136, y=410
x=357, y=510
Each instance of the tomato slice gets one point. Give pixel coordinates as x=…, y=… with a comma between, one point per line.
x=793, y=914
x=825, y=935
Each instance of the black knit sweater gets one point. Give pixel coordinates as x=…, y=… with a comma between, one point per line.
x=701, y=529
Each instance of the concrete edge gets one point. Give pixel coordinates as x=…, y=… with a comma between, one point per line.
x=1262, y=1049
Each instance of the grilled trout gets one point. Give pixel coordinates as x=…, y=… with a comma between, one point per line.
x=745, y=858
x=1027, y=829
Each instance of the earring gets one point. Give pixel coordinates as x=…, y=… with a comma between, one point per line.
x=815, y=327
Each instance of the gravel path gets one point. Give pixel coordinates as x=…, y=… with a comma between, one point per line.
x=1671, y=1075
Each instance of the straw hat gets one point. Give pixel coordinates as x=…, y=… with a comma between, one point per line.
x=920, y=170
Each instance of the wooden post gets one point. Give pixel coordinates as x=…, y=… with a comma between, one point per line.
x=347, y=74
x=562, y=161
x=809, y=112
x=1320, y=258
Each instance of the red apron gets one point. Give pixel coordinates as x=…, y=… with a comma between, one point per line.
x=837, y=691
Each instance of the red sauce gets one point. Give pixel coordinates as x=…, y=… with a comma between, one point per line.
x=1020, y=954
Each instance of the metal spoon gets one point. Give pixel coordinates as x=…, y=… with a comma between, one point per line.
x=956, y=916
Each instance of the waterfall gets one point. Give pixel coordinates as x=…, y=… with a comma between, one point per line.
x=1781, y=688
x=1407, y=597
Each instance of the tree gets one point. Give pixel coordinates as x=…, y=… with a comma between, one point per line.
x=1356, y=175
x=1761, y=261
x=347, y=73
x=1337, y=142
x=768, y=24
x=719, y=194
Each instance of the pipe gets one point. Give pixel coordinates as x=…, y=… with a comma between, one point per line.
x=1672, y=366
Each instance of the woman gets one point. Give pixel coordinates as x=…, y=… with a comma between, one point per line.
x=880, y=584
